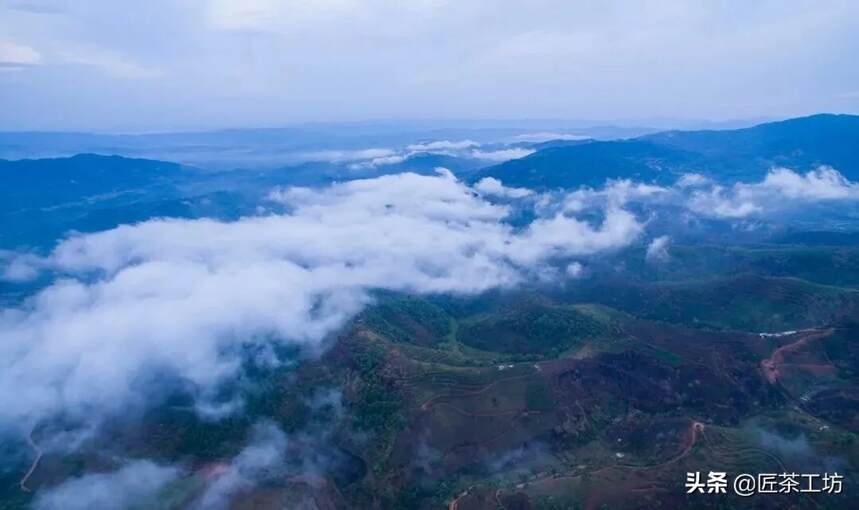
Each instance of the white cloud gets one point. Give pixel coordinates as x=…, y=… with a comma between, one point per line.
x=259, y=460
x=269, y=455
x=183, y=296
x=442, y=145
x=277, y=16
x=545, y=136
x=720, y=203
x=133, y=484
x=562, y=236
x=14, y=55
x=692, y=180
x=491, y=186
x=266, y=62
x=502, y=154
x=781, y=189
x=365, y=159
x=822, y=184
x=36, y=6
x=340, y=156
x=657, y=250
x=614, y=193
x=575, y=270
x=377, y=162
x=105, y=60
x=18, y=267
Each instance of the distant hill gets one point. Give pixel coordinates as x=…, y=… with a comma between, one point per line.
x=32, y=183
x=43, y=199
x=729, y=155
x=549, y=144
x=40, y=199
x=270, y=148
x=316, y=173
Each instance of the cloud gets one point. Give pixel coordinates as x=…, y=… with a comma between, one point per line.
x=442, y=145
x=133, y=484
x=720, y=203
x=692, y=180
x=493, y=187
x=19, y=267
x=277, y=16
x=367, y=159
x=185, y=297
x=615, y=193
x=262, y=459
x=264, y=62
x=107, y=61
x=340, y=156
x=377, y=162
x=17, y=56
x=545, y=136
x=562, y=236
x=657, y=250
x=502, y=154
x=37, y=6
x=575, y=270
x=781, y=189
x=822, y=184
x=272, y=455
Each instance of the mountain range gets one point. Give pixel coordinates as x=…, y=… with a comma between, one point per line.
x=725, y=155
x=40, y=199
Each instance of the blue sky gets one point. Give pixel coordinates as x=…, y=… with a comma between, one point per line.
x=200, y=64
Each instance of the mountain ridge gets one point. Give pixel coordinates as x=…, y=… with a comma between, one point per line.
x=801, y=143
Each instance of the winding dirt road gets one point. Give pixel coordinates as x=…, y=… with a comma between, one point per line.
x=29, y=473
x=770, y=366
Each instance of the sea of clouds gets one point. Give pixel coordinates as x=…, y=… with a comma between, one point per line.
x=373, y=158
x=188, y=297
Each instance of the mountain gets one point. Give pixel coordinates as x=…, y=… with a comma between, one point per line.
x=315, y=173
x=728, y=155
x=30, y=183
x=270, y=148
x=40, y=199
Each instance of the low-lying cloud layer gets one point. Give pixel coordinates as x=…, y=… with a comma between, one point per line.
x=366, y=159
x=139, y=483
x=129, y=485
x=184, y=297
x=262, y=459
x=187, y=297
x=781, y=190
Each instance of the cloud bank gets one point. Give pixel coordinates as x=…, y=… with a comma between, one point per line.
x=132, y=484
x=224, y=63
x=185, y=297
x=781, y=189
x=468, y=149
x=260, y=460
x=657, y=250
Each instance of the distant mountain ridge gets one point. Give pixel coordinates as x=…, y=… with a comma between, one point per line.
x=726, y=155
x=41, y=199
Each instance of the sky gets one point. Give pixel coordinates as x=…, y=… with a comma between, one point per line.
x=166, y=65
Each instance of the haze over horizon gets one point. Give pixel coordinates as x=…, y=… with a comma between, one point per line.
x=215, y=64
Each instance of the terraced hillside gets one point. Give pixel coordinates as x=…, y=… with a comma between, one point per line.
x=538, y=398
